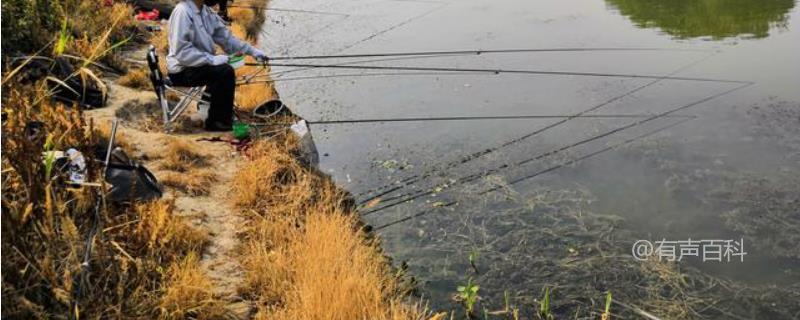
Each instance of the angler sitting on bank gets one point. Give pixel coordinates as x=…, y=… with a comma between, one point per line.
x=193, y=30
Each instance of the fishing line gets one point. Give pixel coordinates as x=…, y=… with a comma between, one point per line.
x=470, y=118
x=474, y=52
x=553, y=168
x=414, y=178
x=306, y=36
x=402, y=23
x=473, y=177
x=378, y=33
x=499, y=71
x=369, y=37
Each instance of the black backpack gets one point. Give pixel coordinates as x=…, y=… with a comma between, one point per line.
x=130, y=180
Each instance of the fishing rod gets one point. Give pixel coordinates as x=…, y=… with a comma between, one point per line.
x=414, y=178
x=391, y=57
x=541, y=172
x=469, y=118
x=279, y=73
x=244, y=6
x=500, y=71
x=349, y=75
x=469, y=178
x=475, y=52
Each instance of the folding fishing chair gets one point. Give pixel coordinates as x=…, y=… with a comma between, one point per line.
x=162, y=85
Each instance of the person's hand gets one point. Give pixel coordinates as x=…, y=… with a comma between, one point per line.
x=219, y=60
x=260, y=55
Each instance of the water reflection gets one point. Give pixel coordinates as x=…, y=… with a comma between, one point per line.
x=716, y=19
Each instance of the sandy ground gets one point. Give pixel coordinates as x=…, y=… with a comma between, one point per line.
x=212, y=212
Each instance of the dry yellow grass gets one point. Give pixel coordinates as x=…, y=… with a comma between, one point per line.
x=188, y=293
x=103, y=131
x=94, y=22
x=181, y=155
x=164, y=232
x=183, y=161
x=241, y=17
x=249, y=96
x=46, y=226
x=304, y=254
x=137, y=79
x=194, y=182
x=264, y=257
x=336, y=274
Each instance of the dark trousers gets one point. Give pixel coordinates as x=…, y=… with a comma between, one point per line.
x=220, y=82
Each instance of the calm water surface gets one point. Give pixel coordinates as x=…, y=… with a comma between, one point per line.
x=685, y=182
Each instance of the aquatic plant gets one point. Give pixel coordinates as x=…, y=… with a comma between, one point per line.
x=468, y=295
x=473, y=255
x=606, y=315
x=544, y=305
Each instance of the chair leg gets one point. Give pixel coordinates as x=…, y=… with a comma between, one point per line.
x=162, y=98
x=172, y=114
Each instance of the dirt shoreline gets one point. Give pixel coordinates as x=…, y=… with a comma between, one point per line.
x=242, y=233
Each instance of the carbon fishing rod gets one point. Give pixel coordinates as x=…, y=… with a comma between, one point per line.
x=384, y=57
x=287, y=10
x=541, y=172
x=280, y=73
x=500, y=71
x=347, y=75
x=414, y=178
x=474, y=52
x=469, y=178
x=472, y=118
x=438, y=54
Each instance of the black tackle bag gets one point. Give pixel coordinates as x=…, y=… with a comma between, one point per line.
x=130, y=180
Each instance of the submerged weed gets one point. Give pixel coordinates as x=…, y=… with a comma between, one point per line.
x=607, y=310
x=544, y=305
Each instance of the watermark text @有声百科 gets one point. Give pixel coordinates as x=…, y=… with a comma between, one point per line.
x=678, y=250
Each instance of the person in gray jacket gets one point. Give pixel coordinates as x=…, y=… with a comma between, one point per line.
x=192, y=60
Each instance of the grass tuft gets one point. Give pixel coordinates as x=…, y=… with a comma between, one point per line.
x=188, y=293
x=193, y=183
x=165, y=233
x=304, y=254
x=180, y=155
x=137, y=79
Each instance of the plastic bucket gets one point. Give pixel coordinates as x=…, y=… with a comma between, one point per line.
x=236, y=61
x=269, y=109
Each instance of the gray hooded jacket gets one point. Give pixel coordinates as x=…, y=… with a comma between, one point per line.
x=192, y=35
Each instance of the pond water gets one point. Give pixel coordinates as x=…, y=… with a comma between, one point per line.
x=559, y=203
